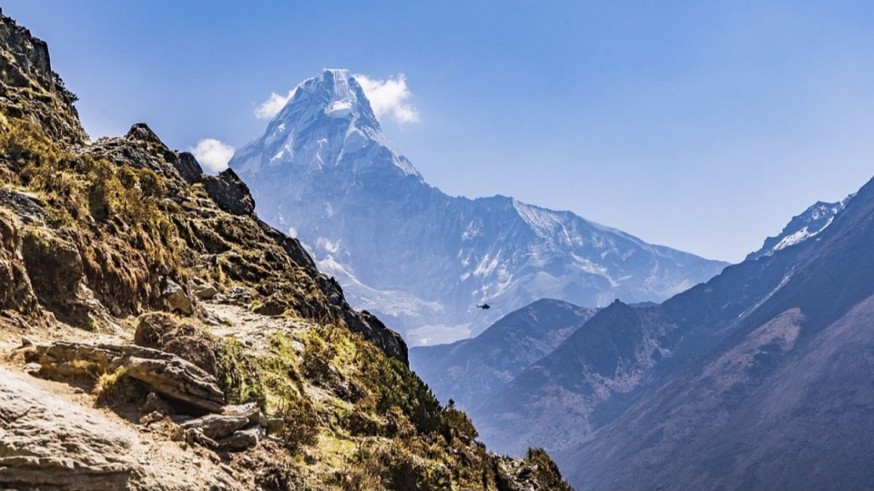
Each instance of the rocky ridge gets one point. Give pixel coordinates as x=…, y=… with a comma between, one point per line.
x=176, y=341
x=802, y=227
x=782, y=400
x=752, y=380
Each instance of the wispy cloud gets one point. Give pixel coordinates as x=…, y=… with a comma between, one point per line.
x=273, y=104
x=212, y=154
x=389, y=97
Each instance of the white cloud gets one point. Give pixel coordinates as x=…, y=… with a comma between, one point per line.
x=389, y=97
x=273, y=104
x=212, y=154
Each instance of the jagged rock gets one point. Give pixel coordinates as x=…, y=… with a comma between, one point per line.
x=176, y=299
x=179, y=379
x=242, y=439
x=250, y=410
x=237, y=295
x=188, y=167
x=272, y=306
x=45, y=443
x=384, y=338
x=291, y=246
x=194, y=436
x=162, y=372
x=236, y=428
x=16, y=291
x=230, y=193
x=28, y=207
x=204, y=292
x=142, y=132
x=216, y=426
x=533, y=472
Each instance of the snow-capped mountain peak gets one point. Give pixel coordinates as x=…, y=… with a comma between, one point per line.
x=327, y=118
x=335, y=93
x=808, y=224
x=417, y=257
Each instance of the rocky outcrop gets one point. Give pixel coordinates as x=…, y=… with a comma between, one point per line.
x=188, y=167
x=47, y=443
x=31, y=88
x=237, y=428
x=384, y=338
x=161, y=331
x=535, y=471
x=162, y=372
x=16, y=291
x=229, y=193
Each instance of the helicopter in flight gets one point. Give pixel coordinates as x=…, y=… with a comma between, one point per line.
x=484, y=306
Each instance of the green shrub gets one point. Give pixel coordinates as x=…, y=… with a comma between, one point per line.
x=301, y=423
x=238, y=374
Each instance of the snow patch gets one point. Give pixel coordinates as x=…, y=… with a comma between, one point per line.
x=339, y=109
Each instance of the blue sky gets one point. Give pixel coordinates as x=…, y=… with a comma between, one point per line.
x=699, y=125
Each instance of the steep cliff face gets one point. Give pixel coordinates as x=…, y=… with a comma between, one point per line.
x=224, y=358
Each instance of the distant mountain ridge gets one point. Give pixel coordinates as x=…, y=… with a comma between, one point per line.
x=757, y=379
x=471, y=370
x=802, y=227
x=324, y=171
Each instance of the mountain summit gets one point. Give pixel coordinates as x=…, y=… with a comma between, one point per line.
x=324, y=172
x=327, y=117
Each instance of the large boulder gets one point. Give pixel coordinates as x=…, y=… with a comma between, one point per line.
x=161, y=372
x=162, y=331
x=176, y=299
